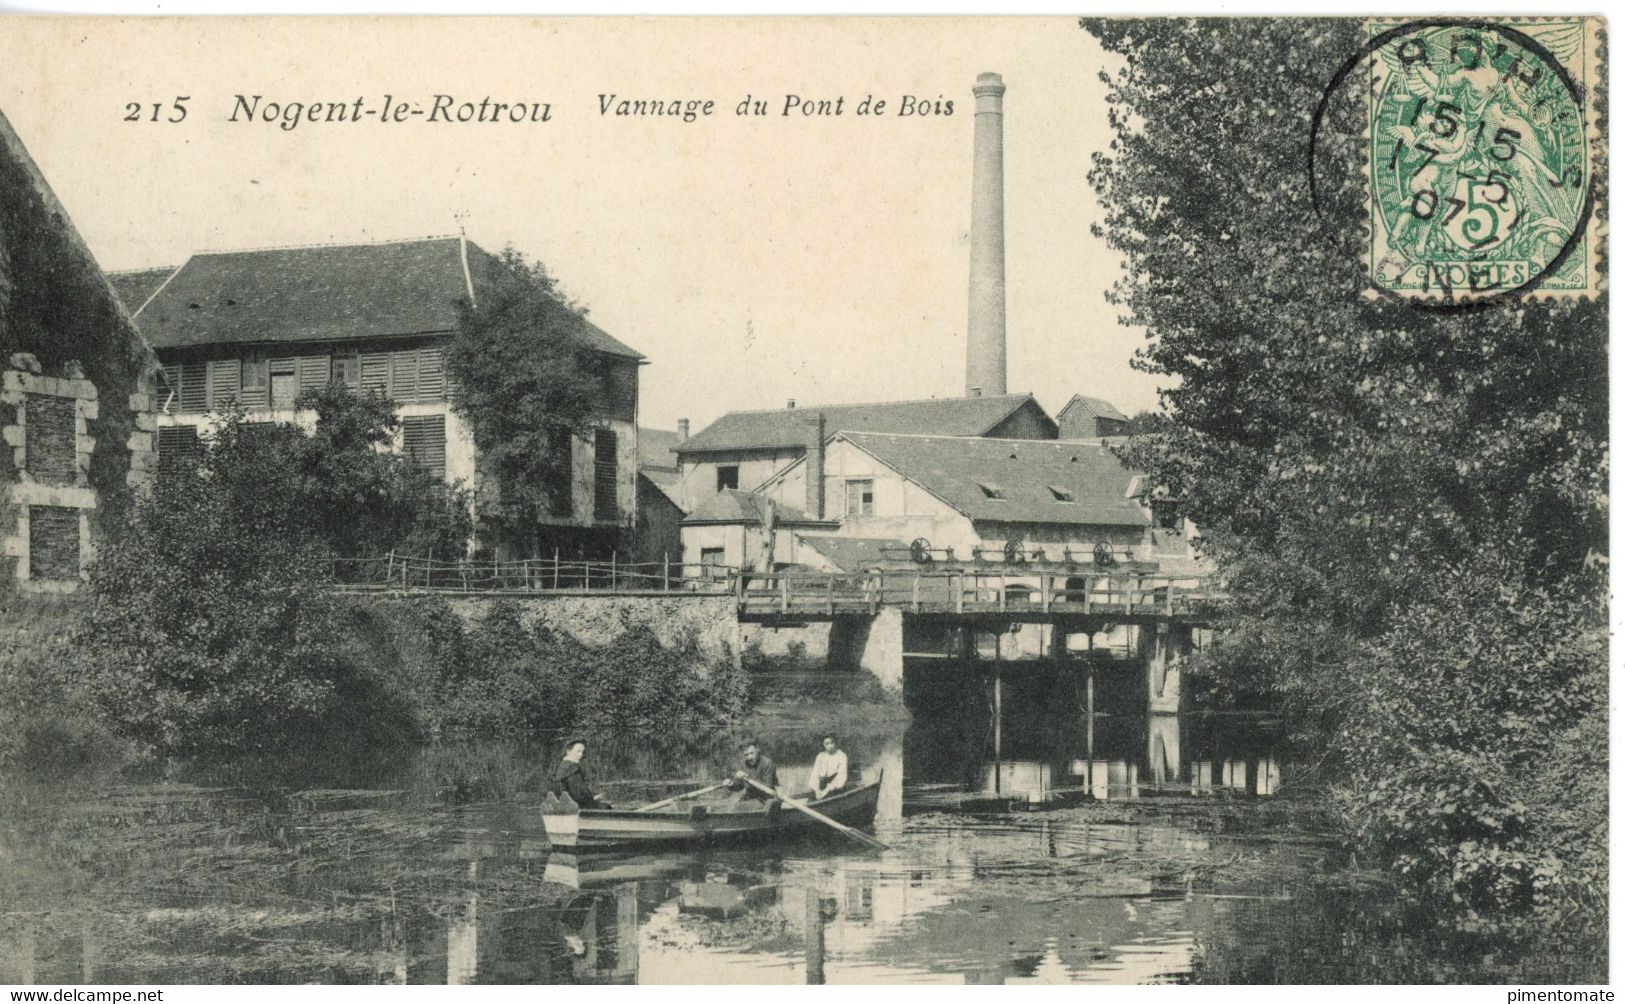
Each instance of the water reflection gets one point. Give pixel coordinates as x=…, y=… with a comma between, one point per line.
x=181, y=883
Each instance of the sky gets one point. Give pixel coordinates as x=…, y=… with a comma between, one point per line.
x=751, y=259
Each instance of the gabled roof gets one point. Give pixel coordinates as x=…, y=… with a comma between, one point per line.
x=791, y=427
x=1097, y=406
x=656, y=449
x=734, y=506
x=133, y=288
x=1014, y=480
x=858, y=554
x=327, y=293
x=665, y=482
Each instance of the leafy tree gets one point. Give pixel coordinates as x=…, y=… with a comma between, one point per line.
x=527, y=383
x=1409, y=504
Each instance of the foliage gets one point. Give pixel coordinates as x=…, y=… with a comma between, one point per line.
x=527, y=382
x=1409, y=504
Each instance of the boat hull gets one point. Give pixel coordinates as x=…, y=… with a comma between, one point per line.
x=706, y=822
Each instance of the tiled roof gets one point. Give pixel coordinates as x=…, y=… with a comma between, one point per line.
x=734, y=506
x=328, y=293
x=1098, y=406
x=859, y=554
x=655, y=449
x=135, y=286
x=666, y=482
x=789, y=427
x=1014, y=480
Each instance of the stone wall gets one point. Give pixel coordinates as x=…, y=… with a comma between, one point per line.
x=598, y=620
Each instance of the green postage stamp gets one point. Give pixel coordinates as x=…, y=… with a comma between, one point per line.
x=1482, y=143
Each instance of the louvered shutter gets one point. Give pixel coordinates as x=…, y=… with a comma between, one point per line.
x=255, y=392
x=605, y=508
x=424, y=439
x=225, y=379
x=375, y=372
x=192, y=386
x=431, y=374
x=403, y=375
x=314, y=372
x=177, y=447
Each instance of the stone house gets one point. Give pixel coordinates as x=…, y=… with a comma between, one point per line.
x=257, y=327
x=76, y=389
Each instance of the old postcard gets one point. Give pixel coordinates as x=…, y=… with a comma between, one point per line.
x=811, y=500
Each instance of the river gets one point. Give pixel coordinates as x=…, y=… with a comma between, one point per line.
x=1062, y=847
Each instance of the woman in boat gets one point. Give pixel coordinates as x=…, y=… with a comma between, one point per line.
x=828, y=774
x=571, y=778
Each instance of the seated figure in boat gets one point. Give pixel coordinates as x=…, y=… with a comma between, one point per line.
x=828, y=774
x=756, y=766
x=571, y=778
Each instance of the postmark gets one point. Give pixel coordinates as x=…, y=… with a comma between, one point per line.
x=1480, y=159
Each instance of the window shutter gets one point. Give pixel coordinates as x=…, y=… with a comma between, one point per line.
x=375, y=372
x=256, y=382
x=315, y=372
x=225, y=380
x=605, y=508
x=177, y=447
x=192, y=387
x=424, y=439
x=403, y=375
x=431, y=374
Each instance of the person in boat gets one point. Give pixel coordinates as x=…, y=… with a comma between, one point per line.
x=828, y=774
x=754, y=765
x=571, y=778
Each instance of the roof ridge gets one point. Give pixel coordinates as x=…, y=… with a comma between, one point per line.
x=329, y=244
x=868, y=404
x=979, y=439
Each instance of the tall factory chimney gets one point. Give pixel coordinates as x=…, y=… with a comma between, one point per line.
x=984, y=364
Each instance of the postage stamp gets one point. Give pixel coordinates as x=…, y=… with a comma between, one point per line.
x=1481, y=142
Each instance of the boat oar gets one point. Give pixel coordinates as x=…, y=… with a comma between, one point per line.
x=678, y=798
x=858, y=835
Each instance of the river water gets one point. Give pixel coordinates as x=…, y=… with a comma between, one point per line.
x=1061, y=847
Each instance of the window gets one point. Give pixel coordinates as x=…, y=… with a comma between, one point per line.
x=1061, y=494
x=53, y=543
x=727, y=477
x=375, y=373
x=225, y=379
x=431, y=374
x=860, y=498
x=561, y=483
x=991, y=490
x=315, y=372
x=51, y=442
x=403, y=375
x=284, y=383
x=178, y=448
x=256, y=376
x=190, y=383
x=424, y=440
x=347, y=370
x=605, y=463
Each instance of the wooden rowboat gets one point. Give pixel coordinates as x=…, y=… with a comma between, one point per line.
x=701, y=822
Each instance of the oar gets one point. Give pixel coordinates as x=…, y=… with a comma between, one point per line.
x=678, y=798
x=857, y=835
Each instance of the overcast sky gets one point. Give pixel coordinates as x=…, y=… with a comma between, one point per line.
x=751, y=259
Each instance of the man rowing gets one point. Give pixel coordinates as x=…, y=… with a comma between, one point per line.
x=756, y=766
x=828, y=774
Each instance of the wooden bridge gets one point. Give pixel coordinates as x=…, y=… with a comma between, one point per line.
x=1034, y=593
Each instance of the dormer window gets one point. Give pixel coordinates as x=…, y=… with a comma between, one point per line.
x=991, y=490
x=1061, y=494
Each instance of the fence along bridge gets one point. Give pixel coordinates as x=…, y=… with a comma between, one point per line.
x=1033, y=594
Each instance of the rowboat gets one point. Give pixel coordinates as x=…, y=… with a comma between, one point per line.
x=702, y=822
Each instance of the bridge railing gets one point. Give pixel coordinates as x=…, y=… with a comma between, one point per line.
x=405, y=572
x=968, y=591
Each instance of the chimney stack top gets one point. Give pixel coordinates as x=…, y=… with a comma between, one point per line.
x=682, y=429
x=988, y=83
x=790, y=403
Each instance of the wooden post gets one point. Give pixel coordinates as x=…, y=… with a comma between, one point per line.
x=959, y=593
x=784, y=593
x=878, y=597
x=829, y=593
x=612, y=555
x=1045, y=581
x=665, y=571
x=815, y=938
x=1128, y=591
x=555, y=568
x=1087, y=584
x=916, y=592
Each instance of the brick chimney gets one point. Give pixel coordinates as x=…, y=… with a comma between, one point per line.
x=984, y=363
x=815, y=467
x=682, y=429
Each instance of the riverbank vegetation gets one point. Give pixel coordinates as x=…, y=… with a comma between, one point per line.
x=208, y=623
x=1408, y=504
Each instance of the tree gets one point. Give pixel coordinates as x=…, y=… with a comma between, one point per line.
x=528, y=384
x=1389, y=491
